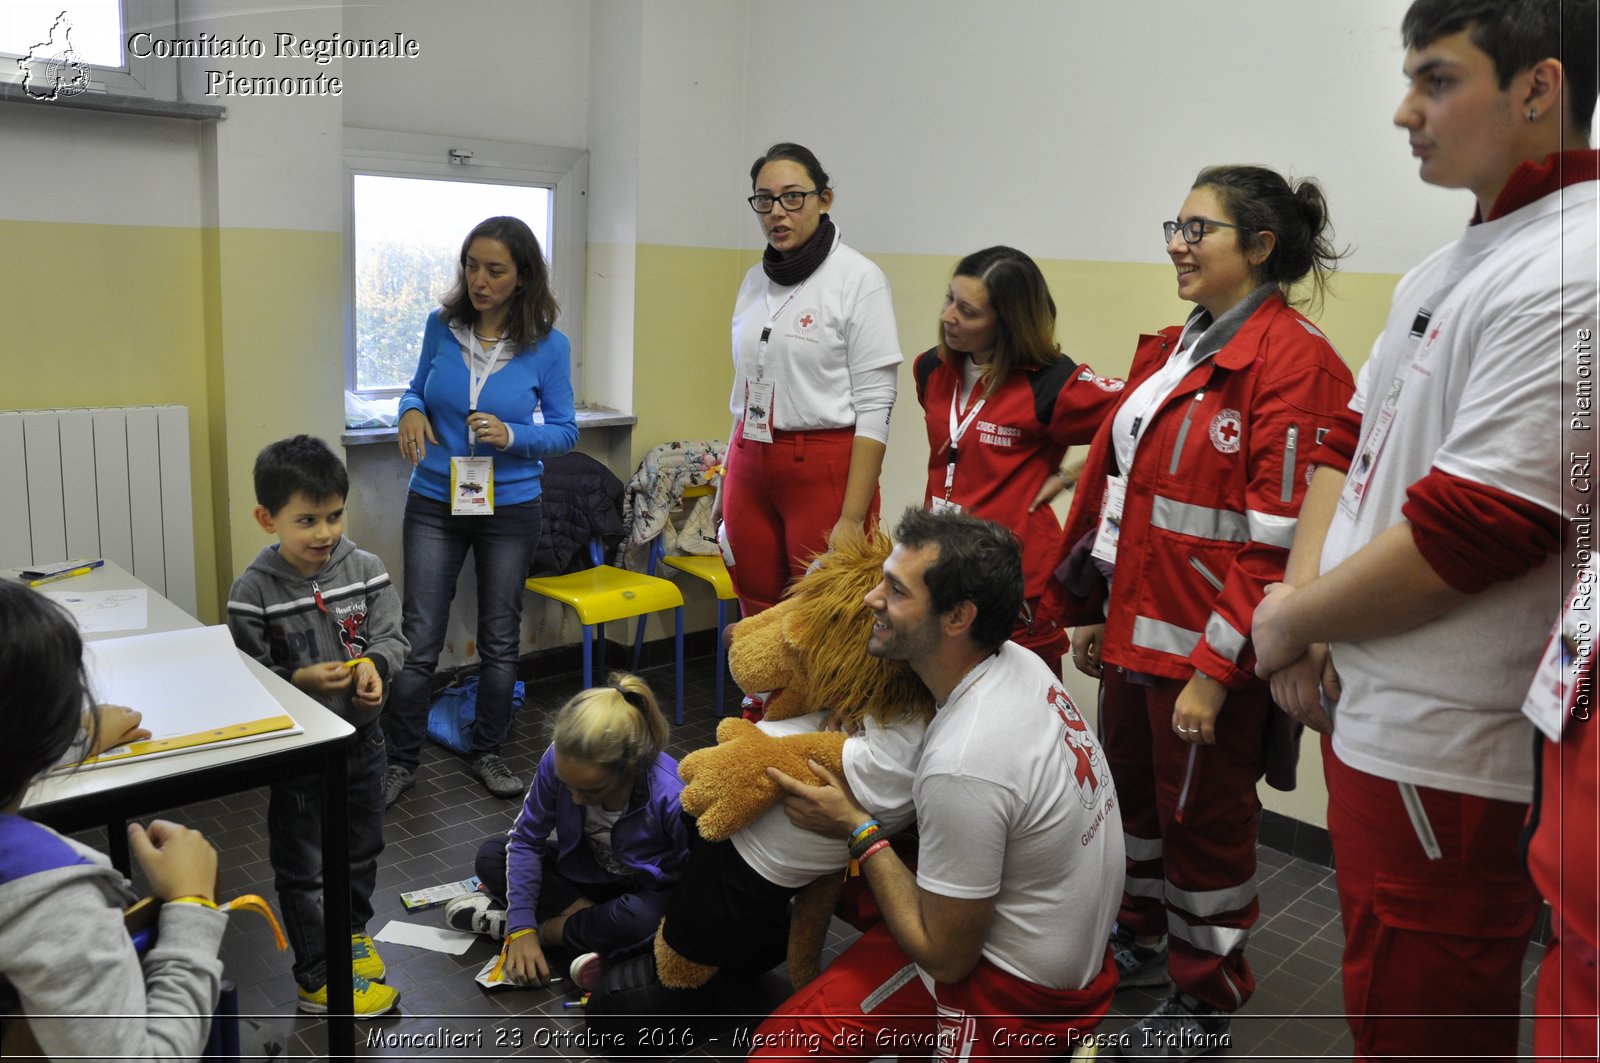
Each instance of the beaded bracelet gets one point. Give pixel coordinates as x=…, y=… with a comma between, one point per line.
x=195, y=898
x=881, y=843
x=865, y=829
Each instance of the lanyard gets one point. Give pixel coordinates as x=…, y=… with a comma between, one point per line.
x=1156, y=401
x=957, y=430
x=480, y=364
x=772, y=319
x=773, y=315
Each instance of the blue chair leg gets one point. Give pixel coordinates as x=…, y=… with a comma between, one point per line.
x=722, y=651
x=638, y=642
x=588, y=656
x=677, y=645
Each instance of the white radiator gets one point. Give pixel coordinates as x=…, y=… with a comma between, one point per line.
x=111, y=483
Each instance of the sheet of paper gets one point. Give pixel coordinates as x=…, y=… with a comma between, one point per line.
x=183, y=682
x=98, y=611
x=434, y=938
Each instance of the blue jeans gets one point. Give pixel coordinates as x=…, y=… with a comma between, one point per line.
x=294, y=844
x=436, y=547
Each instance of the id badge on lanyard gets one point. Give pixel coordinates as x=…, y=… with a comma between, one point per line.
x=1109, y=530
x=472, y=477
x=1366, y=459
x=760, y=393
x=958, y=430
x=1556, y=684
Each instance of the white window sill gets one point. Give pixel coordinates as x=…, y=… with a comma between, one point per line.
x=588, y=417
x=109, y=103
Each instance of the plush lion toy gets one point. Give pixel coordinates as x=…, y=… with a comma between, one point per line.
x=810, y=652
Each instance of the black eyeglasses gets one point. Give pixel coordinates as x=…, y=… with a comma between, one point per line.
x=761, y=203
x=1195, y=229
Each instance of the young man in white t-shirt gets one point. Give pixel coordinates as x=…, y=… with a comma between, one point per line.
x=996, y=944
x=1421, y=585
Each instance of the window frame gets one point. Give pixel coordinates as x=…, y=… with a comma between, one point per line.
x=146, y=77
x=565, y=171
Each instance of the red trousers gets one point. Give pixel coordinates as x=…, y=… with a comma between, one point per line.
x=1189, y=822
x=1433, y=949
x=779, y=502
x=1567, y=1002
x=871, y=1002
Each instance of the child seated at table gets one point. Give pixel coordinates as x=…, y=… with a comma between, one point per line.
x=599, y=842
x=66, y=961
x=325, y=616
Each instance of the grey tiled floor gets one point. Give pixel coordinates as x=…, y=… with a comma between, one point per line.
x=433, y=833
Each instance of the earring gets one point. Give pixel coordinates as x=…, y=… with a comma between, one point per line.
x=1533, y=114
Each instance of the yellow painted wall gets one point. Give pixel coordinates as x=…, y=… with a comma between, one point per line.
x=682, y=364
x=241, y=326
x=112, y=315
x=276, y=362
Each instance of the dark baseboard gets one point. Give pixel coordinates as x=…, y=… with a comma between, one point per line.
x=1298, y=839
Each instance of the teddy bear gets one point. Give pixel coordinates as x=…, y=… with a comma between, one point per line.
x=810, y=653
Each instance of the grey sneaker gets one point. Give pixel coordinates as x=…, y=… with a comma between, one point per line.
x=1181, y=1028
x=396, y=781
x=474, y=914
x=491, y=770
x=1136, y=964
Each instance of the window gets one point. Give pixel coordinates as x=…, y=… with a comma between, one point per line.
x=413, y=198
x=76, y=46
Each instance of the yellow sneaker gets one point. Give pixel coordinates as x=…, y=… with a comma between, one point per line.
x=364, y=959
x=372, y=999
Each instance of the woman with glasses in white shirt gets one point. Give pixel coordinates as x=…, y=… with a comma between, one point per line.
x=815, y=355
x=1185, y=513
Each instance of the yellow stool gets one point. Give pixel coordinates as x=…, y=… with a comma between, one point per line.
x=605, y=593
x=711, y=569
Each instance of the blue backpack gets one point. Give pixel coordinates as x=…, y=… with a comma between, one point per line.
x=450, y=719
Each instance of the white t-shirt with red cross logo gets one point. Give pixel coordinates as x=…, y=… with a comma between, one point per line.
x=1015, y=801
x=826, y=330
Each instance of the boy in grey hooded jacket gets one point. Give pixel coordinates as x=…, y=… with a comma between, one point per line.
x=325, y=616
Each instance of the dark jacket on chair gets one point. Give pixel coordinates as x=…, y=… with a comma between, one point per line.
x=582, y=499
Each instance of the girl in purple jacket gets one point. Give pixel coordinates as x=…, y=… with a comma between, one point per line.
x=599, y=842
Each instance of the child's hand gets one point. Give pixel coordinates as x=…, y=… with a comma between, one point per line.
x=369, y=685
x=525, y=962
x=178, y=861
x=118, y=725
x=329, y=677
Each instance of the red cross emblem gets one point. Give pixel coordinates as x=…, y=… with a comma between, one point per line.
x=806, y=320
x=1085, y=772
x=1227, y=428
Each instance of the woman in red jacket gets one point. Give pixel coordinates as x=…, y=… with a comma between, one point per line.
x=998, y=394
x=1185, y=513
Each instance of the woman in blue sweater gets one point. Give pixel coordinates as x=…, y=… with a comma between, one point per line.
x=491, y=396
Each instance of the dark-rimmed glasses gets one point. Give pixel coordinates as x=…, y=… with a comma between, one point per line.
x=761, y=203
x=1195, y=229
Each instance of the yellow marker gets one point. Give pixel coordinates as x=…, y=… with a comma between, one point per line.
x=357, y=660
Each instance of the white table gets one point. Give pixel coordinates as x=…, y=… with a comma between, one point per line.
x=109, y=796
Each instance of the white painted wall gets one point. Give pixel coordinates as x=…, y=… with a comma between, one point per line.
x=1069, y=129
x=497, y=69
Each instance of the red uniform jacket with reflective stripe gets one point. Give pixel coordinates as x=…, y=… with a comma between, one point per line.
x=1212, y=499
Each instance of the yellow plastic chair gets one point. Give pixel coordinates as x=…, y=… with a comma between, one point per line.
x=704, y=567
x=604, y=593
